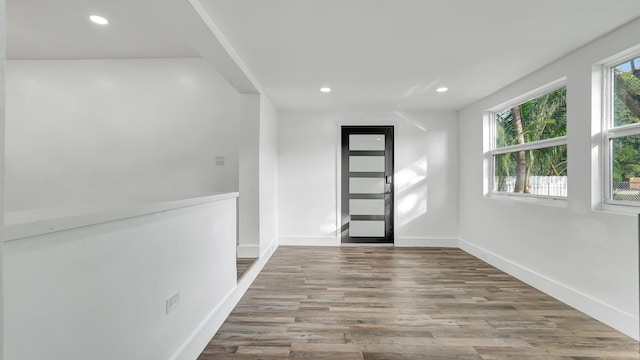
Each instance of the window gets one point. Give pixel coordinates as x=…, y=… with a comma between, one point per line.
x=622, y=133
x=529, y=149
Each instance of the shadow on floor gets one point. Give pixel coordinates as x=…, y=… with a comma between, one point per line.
x=243, y=264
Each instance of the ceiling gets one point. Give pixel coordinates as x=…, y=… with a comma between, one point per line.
x=61, y=29
x=376, y=55
x=392, y=54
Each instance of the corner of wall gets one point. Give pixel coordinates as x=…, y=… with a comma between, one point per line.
x=448, y=242
x=616, y=318
x=249, y=172
x=198, y=341
x=2, y=156
x=268, y=173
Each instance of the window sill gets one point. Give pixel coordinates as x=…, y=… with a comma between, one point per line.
x=560, y=202
x=614, y=208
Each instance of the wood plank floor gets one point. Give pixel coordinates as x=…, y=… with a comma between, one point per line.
x=403, y=303
x=242, y=265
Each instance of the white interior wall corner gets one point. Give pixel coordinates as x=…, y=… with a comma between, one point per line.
x=249, y=171
x=2, y=172
x=268, y=173
x=426, y=157
x=592, y=254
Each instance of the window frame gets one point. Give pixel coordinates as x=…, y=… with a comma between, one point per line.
x=610, y=131
x=534, y=145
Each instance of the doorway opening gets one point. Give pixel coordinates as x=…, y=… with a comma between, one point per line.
x=367, y=184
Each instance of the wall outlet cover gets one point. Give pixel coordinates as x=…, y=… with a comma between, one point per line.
x=172, y=303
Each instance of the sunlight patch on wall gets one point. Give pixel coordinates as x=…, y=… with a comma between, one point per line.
x=408, y=119
x=411, y=174
x=327, y=225
x=411, y=187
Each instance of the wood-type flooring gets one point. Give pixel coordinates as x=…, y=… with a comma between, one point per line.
x=242, y=265
x=404, y=303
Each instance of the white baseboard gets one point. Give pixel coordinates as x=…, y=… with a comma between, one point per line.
x=399, y=241
x=268, y=251
x=309, y=240
x=425, y=242
x=248, y=251
x=194, y=345
x=614, y=317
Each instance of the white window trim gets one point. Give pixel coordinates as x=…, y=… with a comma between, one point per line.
x=610, y=132
x=534, y=145
x=547, y=200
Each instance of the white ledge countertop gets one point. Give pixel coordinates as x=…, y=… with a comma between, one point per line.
x=23, y=225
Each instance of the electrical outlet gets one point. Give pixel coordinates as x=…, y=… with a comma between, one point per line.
x=219, y=160
x=172, y=303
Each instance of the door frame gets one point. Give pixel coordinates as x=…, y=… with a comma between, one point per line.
x=338, y=155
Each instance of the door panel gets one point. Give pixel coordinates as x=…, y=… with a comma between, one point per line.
x=366, y=207
x=366, y=163
x=366, y=142
x=366, y=228
x=367, y=184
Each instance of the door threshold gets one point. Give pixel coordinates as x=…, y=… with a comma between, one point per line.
x=367, y=244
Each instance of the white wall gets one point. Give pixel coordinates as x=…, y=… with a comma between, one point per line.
x=249, y=202
x=99, y=292
x=268, y=178
x=2, y=166
x=585, y=257
x=426, y=167
x=258, y=175
x=107, y=133
x=307, y=177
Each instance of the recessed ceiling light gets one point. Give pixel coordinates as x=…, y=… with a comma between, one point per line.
x=98, y=20
x=442, y=89
x=325, y=89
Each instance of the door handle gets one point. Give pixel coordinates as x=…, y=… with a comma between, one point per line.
x=388, y=179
